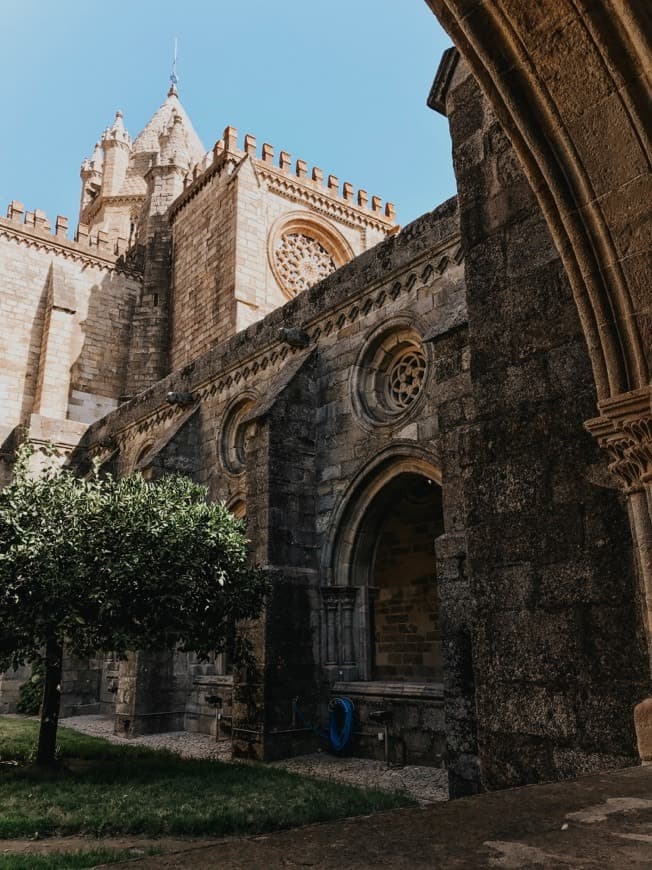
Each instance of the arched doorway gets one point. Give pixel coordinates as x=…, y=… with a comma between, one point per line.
x=381, y=601
x=381, y=640
x=401, y=526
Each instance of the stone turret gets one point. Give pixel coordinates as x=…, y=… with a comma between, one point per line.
x=116, y=145
x=91, y=176
x=173, y=146
x=116, y=196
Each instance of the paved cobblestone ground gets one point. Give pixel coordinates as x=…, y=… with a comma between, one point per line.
x=425, y=784
x=598, y=822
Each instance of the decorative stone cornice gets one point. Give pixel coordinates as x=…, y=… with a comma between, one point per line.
x=272, y=356
x=292, y=188
x=437, y=96
x=324, y=197
x=624, y=430
x=45, y=241
x=95, y=207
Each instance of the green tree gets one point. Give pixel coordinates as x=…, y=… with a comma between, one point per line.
x=99, y=565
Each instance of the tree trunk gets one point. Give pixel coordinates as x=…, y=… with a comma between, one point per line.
x=47, y=738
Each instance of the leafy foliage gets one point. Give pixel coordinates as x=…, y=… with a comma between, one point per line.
x=31, y=692
x=117, y=565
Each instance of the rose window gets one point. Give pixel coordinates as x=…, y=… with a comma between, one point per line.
x=388, y=380
x=302, y=261
x=405, y=378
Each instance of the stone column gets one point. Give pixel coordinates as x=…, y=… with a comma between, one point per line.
x=625, y=431
x=331, y=631
x=339, y=651
x=348, y=603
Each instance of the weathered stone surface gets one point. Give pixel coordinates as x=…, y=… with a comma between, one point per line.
x=556, y=639
x=643, y=724
x=473, y=376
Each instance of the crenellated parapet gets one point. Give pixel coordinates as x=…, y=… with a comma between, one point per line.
x=35, y=229
x=292, y=180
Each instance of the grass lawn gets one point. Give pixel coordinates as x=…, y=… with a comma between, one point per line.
x=66, y=860
x=103, y=790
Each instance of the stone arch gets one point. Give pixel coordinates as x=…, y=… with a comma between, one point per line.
x=372, y=505
x=140, y=463
x=400, y=458
x=569, y=82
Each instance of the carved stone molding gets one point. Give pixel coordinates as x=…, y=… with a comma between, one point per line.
x=69, y=250
x=339, y=603
x=625, y=431
x=232, y=377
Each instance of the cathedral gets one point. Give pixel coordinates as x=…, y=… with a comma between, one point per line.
x=176, y=249
x=405, y=416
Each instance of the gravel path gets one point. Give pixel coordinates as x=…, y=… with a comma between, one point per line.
x=183, y=743
x=425, y=784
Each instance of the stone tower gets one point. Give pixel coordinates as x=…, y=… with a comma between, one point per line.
x=114, y=178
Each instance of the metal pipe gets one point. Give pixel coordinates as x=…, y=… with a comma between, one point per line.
x=146, y=715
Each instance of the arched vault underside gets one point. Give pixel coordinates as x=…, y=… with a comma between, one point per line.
x=570, y=82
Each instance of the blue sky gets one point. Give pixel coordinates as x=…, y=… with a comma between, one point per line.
x=345, y=91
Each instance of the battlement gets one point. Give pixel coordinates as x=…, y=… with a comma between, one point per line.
x=98, y=244
x=298, y=174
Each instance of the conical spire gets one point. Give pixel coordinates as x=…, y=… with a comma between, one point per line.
x=97, y=157
x=173, y=144
x=117, y=130
x=161, y=123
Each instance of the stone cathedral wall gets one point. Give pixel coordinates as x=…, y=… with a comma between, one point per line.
x=65, y=318
x=539, y=614
x=228, y=225
x=551, y=659
x=276, y=424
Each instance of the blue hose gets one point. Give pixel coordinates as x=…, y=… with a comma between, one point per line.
x=340, y=734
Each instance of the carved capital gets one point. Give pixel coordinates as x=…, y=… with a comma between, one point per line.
x=631, y=460
x=333, y=595
x=625, y=432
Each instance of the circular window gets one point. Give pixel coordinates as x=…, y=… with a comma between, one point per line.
x=232, y=441
x=405, y=378
x=303, y=249
x=301, y=261
x=389, y=376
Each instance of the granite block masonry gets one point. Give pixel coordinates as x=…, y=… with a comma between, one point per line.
x=399, y=415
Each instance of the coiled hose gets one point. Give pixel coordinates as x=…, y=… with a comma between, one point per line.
x=340, y=725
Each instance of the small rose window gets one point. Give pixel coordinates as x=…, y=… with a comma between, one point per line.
x=233, y=435
x=405, y=378
x=302, y=261
x=390, y=374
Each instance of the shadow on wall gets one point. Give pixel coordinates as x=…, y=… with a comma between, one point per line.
x=100, y=348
